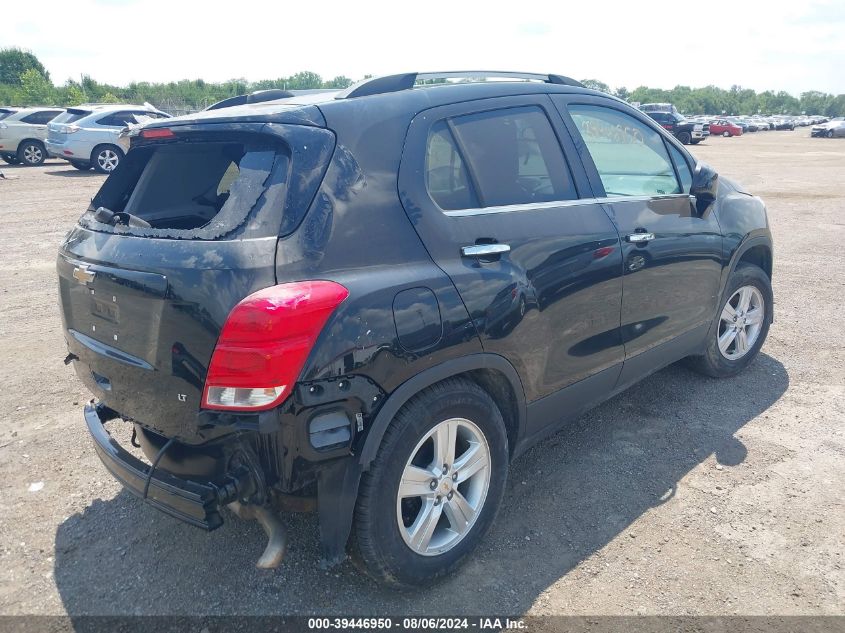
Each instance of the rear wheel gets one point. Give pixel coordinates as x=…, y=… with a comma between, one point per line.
x=81, y=165
x=10, y=159
x=830, y=134
x=743, y=324
x=31, y=153
x=726, y=134
x=105, y=158
x=684, y=137
x=435, y=486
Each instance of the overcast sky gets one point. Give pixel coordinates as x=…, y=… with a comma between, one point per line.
x=759, y=44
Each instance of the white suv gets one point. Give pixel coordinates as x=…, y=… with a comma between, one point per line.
x=89, y=135
x=22, y=135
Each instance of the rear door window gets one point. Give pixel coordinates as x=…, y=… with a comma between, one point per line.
x=630, y=157
x=117, y=119
x=40, y=118
x=496, y=158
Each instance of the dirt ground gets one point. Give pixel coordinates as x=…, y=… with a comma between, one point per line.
x=683, y=495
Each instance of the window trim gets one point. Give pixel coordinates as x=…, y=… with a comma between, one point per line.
x=536, y=206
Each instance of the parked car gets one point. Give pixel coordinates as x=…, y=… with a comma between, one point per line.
x=724, y=127
x=89, y=135
x=687, y=132
x=833, y=128
x=659, y=107
x=22, y=134
x=332, y=300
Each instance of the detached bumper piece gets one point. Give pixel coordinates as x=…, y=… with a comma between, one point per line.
x=190, y=501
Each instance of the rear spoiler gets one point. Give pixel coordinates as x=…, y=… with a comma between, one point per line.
x=254, y=97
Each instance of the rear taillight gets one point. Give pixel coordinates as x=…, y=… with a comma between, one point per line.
x=265, y=342
x=158, y=132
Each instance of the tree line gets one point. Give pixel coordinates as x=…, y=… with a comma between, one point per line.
x=25, y=81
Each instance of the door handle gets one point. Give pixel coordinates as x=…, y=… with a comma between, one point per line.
x=484, y=250
x=639, y=238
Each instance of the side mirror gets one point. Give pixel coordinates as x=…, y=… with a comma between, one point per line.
x=705, y=184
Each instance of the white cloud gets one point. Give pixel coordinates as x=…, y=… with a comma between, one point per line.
x=753, y=43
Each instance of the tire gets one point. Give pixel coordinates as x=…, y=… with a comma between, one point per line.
x=105, y=158
x=10, y=159
x=746, y=281
x=684, y=138
x=830, y=134
x=389, y=553
x=81, y=165
x=726, y=133
x=32, y=153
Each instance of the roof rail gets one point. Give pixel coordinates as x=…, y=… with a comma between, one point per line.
x=254, y=97
x=406, y=81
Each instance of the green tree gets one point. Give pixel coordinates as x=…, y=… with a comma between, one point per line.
x=595, y=84
x=36, y=89
x=71, y=94
x=14, y=62
x=338, y=82
x=304, y=80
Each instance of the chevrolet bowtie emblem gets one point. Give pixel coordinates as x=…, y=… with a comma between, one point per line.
x=83, y=275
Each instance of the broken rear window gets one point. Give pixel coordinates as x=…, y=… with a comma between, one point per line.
x=195, y=190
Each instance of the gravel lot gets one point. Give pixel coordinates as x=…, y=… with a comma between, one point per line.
x=684, y=495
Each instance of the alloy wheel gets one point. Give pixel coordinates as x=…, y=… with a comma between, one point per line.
x=741, y=322
x=444, y=486
x=108, y=159
x=33, y=155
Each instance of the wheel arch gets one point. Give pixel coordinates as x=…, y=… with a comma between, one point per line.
x=30, y=139
x=338, y=481
x=491, y=372
x=755, y=249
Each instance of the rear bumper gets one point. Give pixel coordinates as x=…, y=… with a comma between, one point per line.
x=190, y=501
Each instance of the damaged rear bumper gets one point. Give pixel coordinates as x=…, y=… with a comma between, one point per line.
x=190, y=501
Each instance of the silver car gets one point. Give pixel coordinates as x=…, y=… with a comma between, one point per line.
x=22, y=134
x=89, y=135
x=833, y=128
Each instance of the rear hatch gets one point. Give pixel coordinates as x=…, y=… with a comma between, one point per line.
x=183, y=230
x=59, y=128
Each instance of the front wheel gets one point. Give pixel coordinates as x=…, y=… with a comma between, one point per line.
x=81, y=165
x=743, y=324
x=105, y=158
x=830, y=134
x=435, y=486
x=726, y=133
x=684, y=138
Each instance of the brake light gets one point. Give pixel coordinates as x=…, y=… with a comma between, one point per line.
x=158, y=132
x=264, y=344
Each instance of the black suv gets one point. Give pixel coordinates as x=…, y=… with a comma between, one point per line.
x=686, y=131
x=370, y=301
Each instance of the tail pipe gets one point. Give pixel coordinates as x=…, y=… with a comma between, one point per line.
x=277, y=536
